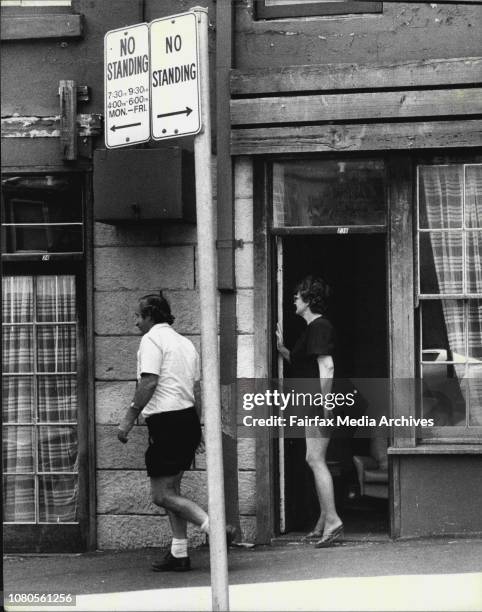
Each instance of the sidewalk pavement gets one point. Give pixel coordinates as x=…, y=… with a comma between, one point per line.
x=430, y=574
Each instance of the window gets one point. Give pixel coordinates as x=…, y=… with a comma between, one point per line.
x=449, y=286
x=38, y=19
x=329, y=193
x=278, y=9
x=44, y=401
x=42, y=214
x=39, y=382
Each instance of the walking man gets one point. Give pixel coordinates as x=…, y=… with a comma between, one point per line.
x=168, y=396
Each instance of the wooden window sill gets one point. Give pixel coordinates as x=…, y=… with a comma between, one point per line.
x=61, y=25
x=438, y=449
x=41, y=257
x=319, y=9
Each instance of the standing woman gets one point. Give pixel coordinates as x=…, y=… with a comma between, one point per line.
x=312, y=357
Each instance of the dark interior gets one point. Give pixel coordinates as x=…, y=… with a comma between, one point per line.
x=355, y=268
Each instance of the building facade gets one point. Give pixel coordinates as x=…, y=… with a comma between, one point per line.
x=347, y=143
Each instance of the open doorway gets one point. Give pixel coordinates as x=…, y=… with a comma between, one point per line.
x=354, y=265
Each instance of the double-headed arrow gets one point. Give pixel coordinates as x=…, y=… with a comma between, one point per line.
x=121, y=127
x=187, y=111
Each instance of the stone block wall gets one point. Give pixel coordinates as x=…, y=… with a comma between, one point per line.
x=130, y=262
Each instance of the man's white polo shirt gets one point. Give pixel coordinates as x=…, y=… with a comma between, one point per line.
x=174, y=359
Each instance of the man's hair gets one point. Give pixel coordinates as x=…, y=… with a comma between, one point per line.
x=156, y=307
x=315, y=292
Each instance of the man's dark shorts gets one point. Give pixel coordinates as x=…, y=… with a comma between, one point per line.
x=173, y=439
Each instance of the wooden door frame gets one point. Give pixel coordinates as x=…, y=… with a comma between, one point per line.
x=401, y=309
x=263, y=353
x=400, y=327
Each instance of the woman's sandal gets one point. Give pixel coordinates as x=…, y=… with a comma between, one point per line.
x=313, y=535
x=329, y=538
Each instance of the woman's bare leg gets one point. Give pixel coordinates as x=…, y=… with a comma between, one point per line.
x=316, y=447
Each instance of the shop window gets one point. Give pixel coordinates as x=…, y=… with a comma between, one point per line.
x=279, y=9
x=337, y=194
x=449, y=246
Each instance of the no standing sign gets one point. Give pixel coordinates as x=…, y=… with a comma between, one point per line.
x=126, y=64
x=175, y=98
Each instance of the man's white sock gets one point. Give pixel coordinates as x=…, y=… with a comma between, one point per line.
x=205, y=526
x=179, y=548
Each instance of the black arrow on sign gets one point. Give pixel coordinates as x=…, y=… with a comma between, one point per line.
x=186, y=112
x=121, y=127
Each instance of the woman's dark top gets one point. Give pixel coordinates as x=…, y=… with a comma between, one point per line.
x=317, y=339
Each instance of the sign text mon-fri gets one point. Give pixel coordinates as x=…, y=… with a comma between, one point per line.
x=126, y=100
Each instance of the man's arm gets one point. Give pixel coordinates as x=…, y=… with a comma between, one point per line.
x=198, y=398
x=144, y=392
x=198, y=407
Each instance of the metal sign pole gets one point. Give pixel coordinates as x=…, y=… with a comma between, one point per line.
x=209, y=333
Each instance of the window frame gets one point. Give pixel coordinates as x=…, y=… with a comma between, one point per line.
x=316, y=9
x=35, y=375
x=456, y=434
x=44, y=256
x=41, y=22
x=338, y=228
x=79, y=537
x=36, y=4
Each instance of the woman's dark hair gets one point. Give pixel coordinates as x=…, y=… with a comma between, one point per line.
x=315, y=292
x=156, y=307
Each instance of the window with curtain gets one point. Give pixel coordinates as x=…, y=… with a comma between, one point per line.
x=449, y=244
x=39, y=389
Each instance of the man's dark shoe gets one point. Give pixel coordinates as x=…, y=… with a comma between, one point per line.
x=230, y=534
x=172, y=564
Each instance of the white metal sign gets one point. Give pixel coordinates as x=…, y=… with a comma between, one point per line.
x=126, y=72
x=175, y=97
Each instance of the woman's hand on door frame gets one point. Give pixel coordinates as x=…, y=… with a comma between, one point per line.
x=280, y=342
x=279, y=337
